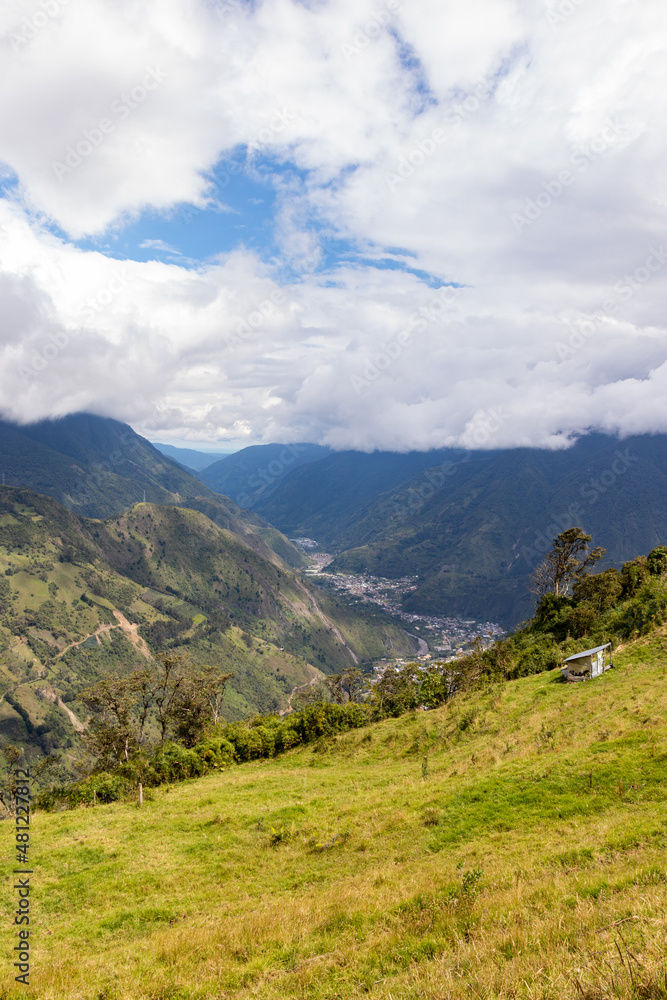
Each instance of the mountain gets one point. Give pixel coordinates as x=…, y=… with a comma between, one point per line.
x=190, y=458
x=99, y=467
x=473, y=525
x=91, y=464
x=253, y=473
x=82, y=597
x=329, y=499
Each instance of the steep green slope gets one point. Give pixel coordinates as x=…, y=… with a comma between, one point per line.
x=93, y=465
x=80, y=597
x=509, y=844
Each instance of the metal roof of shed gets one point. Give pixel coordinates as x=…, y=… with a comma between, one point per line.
x=587, y=652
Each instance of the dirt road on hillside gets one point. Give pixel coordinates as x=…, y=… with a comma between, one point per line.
x=131, y=630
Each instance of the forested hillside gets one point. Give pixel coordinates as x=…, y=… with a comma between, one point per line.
x=82, y=598
x=473, y=524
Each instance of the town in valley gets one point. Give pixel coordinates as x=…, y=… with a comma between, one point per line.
x=440, y=638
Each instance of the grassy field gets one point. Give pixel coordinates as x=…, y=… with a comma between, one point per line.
x=510, y=844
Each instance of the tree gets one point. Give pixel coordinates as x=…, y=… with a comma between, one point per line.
x=198, y=702
x=601, y=590
x=116, y=728
x=171, y=678
x=656, y=561
x=348, y=686
x=309, y=694
x=214, y=685
x=634, y=575
x=581, y=619
x=566, y=563
x=396, y=691
x=186, y=697
x=181, y=699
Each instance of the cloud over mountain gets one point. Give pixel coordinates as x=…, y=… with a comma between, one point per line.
x=464, y=246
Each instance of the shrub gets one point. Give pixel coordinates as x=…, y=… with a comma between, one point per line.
x=633, y=575
x=173, y=762
x=102, y=788
x=647, y=610
x=215, y=751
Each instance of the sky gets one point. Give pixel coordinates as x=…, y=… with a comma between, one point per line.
x=372, y=224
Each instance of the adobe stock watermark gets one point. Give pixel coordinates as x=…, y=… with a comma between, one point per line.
x=487, y=423
x=559, y=13
x=59, y=340
x=43, y=355
x=279, y=121
x=265, y=476
x=223, y=7
x=104, y=297
x=623, y=290
x=121, y=108
x=544, y=539
x=427, y=146
x=256, y=318
x=554, y=188
x=393, y=349
x=371, y=30
x=33, y=23
x=130, y=446
x=596, y=488
x=591, y=491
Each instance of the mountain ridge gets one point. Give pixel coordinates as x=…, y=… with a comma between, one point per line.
x=253, y=473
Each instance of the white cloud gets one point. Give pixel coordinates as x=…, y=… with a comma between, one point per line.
x=161, y=246
x=513, y=150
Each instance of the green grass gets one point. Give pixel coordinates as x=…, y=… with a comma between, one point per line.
x=528, y=862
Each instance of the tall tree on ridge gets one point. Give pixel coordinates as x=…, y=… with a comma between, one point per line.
x=567, y=562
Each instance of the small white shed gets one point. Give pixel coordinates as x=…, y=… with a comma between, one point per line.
x=584, y=666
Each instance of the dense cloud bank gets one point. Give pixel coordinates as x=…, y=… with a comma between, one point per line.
x=512, y=152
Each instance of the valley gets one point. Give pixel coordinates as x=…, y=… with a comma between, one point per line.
x=439, y=637
x=472, y=525
x=195, y=574
x=464, y=819
x=333, y=452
